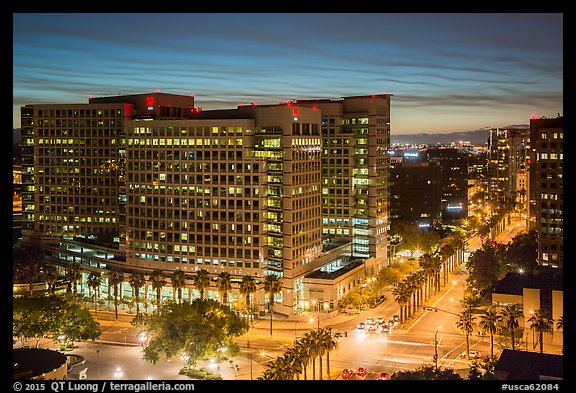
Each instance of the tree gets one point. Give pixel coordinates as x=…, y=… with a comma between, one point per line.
x=94, y=282
x=541, y=323
x=466, y=324
x=137, y=281
x=303, y=353
x=400, y=293
x=115, y=278
x=224, y=285
x=202, y=281
x=489, y=322
x=485, y=268
x=560, y=323
x=426, y=372
x=272, y=286
x=511, y=315
x=522, y=252
x=73, y=275
x=328, y=341
x=158, y=281
x=178, y=280
x=199, y=329
x=247, y=288
x=50, y=275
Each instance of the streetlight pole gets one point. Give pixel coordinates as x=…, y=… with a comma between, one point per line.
x=436, y=349
x=98, y=367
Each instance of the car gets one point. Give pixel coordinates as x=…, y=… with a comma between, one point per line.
x=347, y=373
x=369, y=321
x=383, y=377
x=361, y=372
x=392, y=322
x=472, y=355
x=385, y=329
x=396, y=318
x=380, y=320
x=361, y=325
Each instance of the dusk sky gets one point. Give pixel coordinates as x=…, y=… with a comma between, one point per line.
x=448, y=72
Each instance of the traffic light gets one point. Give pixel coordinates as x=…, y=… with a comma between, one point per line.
x=436, y=309
x=435, y=357
x=424, y=307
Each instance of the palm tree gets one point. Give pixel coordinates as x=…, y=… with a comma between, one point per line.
x=303, y=350
x=511, y=315
x=320, y=348
x=560, y=323
x=312, y=345
x=178, y=280
x=51, y=275
x=158, y=281
x=115, y=278
x=202, y=281
x=94, y=282
x=542, y=324
x=466, y=324
x=247, y=288
x=272, y=286
x=329, y=343
x=292, y=355
x=136, y=281
x=401, y=296
x=224, y=285
x=489, y=323
x=73, y=275
x=445, y=253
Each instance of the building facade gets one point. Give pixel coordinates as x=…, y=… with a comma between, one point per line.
x=547, y=188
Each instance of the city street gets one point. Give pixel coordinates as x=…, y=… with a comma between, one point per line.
x=118, y=354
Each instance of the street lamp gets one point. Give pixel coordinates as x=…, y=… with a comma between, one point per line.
x=436, y=348
x=98, y=367
x=118, y=373
x=142, y=338
x=317, y=318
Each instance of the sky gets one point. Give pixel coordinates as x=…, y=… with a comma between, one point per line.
x=447, y=72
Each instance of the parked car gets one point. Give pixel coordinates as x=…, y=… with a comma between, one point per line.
x=383, y=376
x=385, y=329
x=396, y=318
x=472, y=355
x=380, y=320
x=369, y=321
x=361, y=325
x=361, y=372
x=392, y=322
x=347, y=373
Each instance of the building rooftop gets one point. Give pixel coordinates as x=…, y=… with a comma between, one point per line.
x=513, y=283
x=32, y=362
x=522, y=365
x=324, y=275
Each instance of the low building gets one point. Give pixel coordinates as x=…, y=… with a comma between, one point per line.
x=33, y=363
x=542, y=290
x=528, y=366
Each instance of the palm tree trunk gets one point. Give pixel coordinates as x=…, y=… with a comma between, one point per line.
x=541, y=342
x=328, y=363
x=314, y=369
x=270, y=307
x=467, y=346
x=320, y=367
x=491, y=344
x=512, y=337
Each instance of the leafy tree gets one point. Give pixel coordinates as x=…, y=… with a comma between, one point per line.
x=560, y=323
x=50, y=275
x=522, y=252
x=73, y=275
x=202, y=281
x=426, y=372
x=199, y=329
x=485, y=268
x=272, y=286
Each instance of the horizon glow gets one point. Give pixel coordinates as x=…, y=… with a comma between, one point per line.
x=447, y=72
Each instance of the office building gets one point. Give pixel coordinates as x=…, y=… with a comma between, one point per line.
x=547, y=189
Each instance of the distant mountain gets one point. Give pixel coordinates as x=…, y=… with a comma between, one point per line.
x=477, y=137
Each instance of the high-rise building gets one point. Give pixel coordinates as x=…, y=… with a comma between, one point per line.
x=149, y=181
x=355, y=171
x=547, y=189
x=416, y=193
x=508, y=153
x=453, y=164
